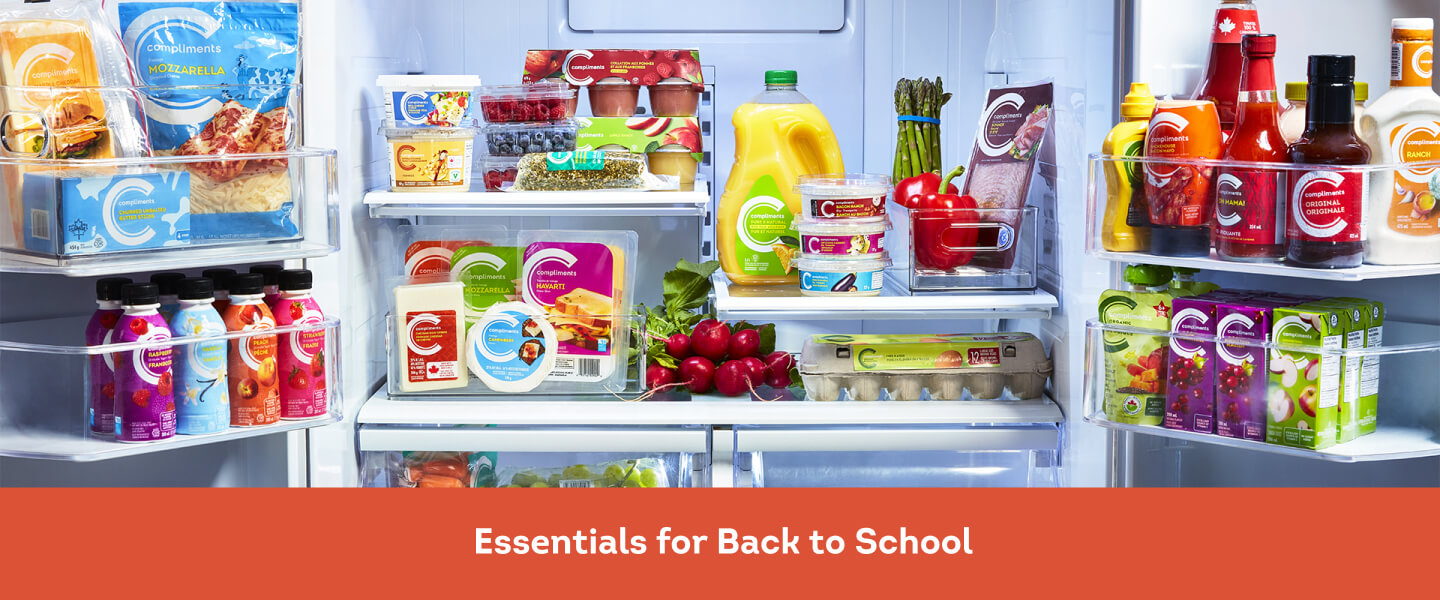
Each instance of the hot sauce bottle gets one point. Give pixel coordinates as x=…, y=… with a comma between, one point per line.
x=1249, y=215
x=1220, y=82
x=1325, y=225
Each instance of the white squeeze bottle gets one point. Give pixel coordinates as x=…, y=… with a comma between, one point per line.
x=1403, y=125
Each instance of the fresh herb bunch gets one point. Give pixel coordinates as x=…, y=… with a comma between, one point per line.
x=917, y=147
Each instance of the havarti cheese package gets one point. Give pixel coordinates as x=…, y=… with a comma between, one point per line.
x=584, y=281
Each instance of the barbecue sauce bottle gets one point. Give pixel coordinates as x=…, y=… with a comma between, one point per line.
x=1326, y=225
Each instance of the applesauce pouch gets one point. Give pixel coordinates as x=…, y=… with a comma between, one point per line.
x=1135, y=363
x=253, y=364
x=1303, y=397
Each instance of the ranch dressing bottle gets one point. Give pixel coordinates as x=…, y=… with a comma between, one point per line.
x=1403, y=126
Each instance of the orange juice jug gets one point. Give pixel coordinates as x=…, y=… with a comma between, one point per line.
x=779, y=136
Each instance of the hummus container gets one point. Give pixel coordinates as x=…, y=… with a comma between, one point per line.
x=526, y=102
x=519, y=139
x=843, y=196
x=616, y=98
x=832, y=276
x=428, y=100
x=499, y=172
x=431, y=159
x=677, y=99
x=676, y=162
x=998, y=366
x=842, y=238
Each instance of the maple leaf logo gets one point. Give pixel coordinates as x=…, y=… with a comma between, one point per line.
x=1226, y=26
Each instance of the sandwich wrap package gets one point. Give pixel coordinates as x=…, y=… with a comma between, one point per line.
x=244, y=58
x=54, y=59
x=1014, y=134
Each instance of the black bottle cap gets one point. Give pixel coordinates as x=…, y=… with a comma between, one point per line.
x=166, y=282
x=138, y=294
x=271, y=273
x=1331, y=91
x=220, y=277
x=1332, y=67
x=108, y=288
x=195, y=288
x=247, y=283
x=295, y=279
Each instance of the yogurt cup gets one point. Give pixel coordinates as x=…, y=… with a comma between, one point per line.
x=829, y=276
x=843, y=238
x=429, y=100
x=846, y=196
x=431, y=159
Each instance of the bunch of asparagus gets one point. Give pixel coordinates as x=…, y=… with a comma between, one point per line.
x=917, y=149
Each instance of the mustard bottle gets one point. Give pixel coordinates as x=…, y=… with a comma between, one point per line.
x=1125, y=225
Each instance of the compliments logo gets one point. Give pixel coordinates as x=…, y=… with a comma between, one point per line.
x=1311, y=187
x=1183, y=347
x=1227, y=185
x=1158, y=126
x=1012, y=100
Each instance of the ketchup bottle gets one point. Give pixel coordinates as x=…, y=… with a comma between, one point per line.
x=1326, y=220
x=1249, y=212
x=1220, y=83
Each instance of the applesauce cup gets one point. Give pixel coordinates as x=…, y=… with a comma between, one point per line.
x=678, y=98
x=676, y=162
x=614, y=97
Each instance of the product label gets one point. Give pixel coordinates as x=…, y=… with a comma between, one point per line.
x=510, y=346
x=202, y=388
x=1412, y=62
x=433, y=109
x=420, y=163
x=847, y=208
x=639, y=134
x=430, y=338
x=576, y=283
x=105, y=213
x=100, y=331
x=1327, y=206
x=584, y=67
x=925, y=355
x=843, y=245
x=1302, y=406
x=1135, y=363
x=575, y=161
x=765, y=235
x=254, y=366
x=144, y=381
x=489, y=274
x=1246, y=208
x=1190, y=396
x=1412, y=197
x=1233, y=23
x=842, y=282
x=302, y=359
x=1137, y=215
x=1178, y=194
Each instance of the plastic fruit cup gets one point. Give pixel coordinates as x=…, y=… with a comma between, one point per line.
x=616, y=99
x=676, y=162
x=679, y=99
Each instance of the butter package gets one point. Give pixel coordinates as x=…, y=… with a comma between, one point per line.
x=73, y=213
x=584, y=280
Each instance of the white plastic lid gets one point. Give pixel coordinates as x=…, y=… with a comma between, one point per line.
x=430, y=82
x=842, y=226
x=843, y=184
x=426, y=133
x=831, y=264
x=1421, y=23
x=500, y=348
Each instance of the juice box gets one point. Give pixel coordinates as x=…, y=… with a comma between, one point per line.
x=1240, y=380
x=1370, y=371
x=1355, y=321
x=1303, y=395
x=1135, y=363
x=92, y=213
x=1190, y=397
x=144, y=381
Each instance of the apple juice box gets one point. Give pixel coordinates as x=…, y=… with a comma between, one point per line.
x=1303, y=395
x=1354, y=320
x=1190, y=395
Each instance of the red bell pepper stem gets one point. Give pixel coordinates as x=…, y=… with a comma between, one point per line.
x=956, y=172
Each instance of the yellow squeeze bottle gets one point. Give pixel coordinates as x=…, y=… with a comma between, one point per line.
x=779, y=136
x=1125, y=191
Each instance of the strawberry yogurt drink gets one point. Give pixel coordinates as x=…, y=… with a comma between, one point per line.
x=302, y=353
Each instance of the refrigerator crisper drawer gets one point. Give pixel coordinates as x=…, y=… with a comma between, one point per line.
x=1020, y=455
x=534, y=456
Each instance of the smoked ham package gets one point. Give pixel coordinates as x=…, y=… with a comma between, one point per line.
x=223, y=76
x=1011, y=138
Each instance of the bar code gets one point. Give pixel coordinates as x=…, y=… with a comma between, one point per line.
x=579, y=483
x=1397, y=57
x=588, y=367
x=40, y=224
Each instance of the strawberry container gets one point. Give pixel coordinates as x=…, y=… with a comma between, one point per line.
x=525, y=103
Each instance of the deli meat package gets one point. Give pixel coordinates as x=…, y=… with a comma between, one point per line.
x=224, y=75
x=1014, y=133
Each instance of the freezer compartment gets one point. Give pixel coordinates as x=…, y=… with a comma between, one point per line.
x=1154, y=185
x=973, y=249
x=51, y=393
x=1293, y=400
x=534, y=456
x=937, y=455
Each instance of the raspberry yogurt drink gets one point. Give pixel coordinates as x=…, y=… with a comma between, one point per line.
x=144, y=383
x=302, y=353
x=253, y=371
x=101, y=331
x=201, y=387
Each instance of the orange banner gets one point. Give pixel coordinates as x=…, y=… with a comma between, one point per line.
x=948, y=543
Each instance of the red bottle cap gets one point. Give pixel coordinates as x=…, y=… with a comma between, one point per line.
x=1258, y=44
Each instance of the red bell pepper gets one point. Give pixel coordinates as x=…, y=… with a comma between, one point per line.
x=942, y=222
x=911, y=189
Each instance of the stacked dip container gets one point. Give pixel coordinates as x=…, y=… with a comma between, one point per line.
x=430, y=130
x=842, y=234
x=522, y=119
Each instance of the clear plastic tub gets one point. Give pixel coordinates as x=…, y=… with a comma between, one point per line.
x=519, y=139
x=917, y=367
x=614, y=98
x=834, y=276
x=835, y=239
x=527, y=102
x=676, y=162
x=429, y=100
x=498, y=172
x=973, y=249
x=674, y=99
x=434, y=159
x=843, y=196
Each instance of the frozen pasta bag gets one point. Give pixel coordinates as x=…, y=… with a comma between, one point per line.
x=64, y=94
x=588, y=170
x=221, y=80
